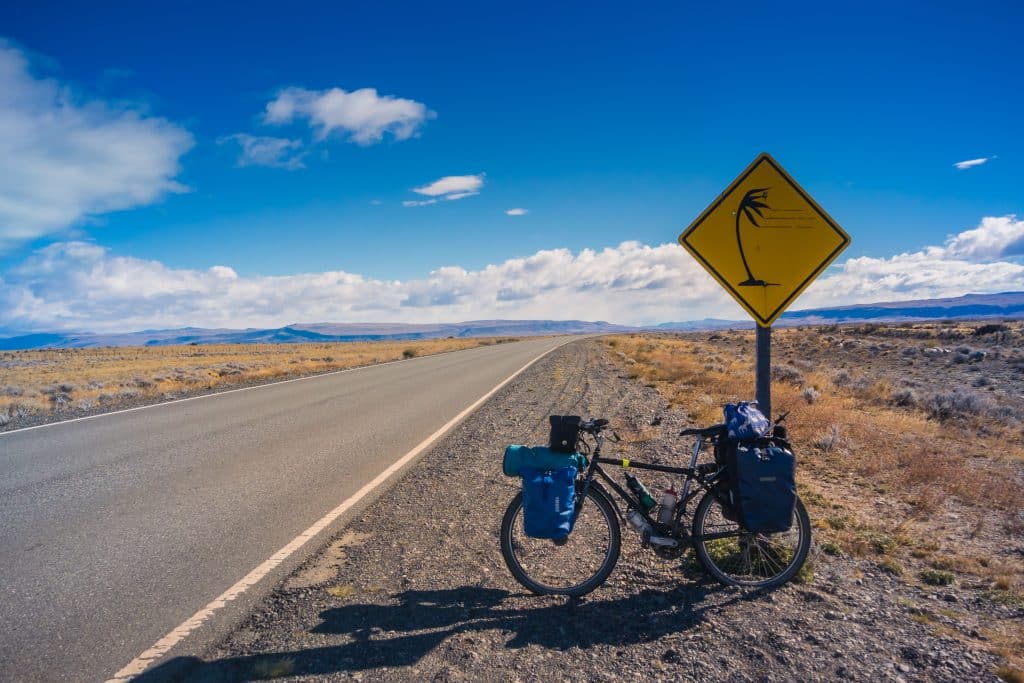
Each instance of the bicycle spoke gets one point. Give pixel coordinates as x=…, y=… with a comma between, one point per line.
x=750, y=559
x=562, y=566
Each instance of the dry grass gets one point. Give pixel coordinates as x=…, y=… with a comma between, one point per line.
x=70, y=380
x=928, y=490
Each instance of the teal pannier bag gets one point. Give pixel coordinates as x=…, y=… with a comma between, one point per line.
x=549, y=502
x=518, y=458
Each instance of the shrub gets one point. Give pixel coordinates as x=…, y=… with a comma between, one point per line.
x=55, y=389
x=409, y=353
x=891, y=566
x=905, y=397
x=936, y=577
x=957, y=403
x=60, y=401
x=828, y=440
x=842, y=378
x=811, y=395
x=830, y=548
x=787, y=373
x=11, y=390
x=991, y=328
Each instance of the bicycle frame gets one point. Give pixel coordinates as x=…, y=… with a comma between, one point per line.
x=691, y=474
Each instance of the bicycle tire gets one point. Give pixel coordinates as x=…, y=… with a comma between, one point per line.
x=511, y=529
x=761, y=542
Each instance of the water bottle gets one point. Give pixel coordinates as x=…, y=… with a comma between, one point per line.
x=637, y=521
x=668, y=505
x=641, y=492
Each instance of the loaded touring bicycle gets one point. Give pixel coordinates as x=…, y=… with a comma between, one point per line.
x=561, y=534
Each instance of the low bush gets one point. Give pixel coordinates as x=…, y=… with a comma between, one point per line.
x=991, y=328
x=787, y=373
x=905, y=397
x=956, y=404
x=936, y=577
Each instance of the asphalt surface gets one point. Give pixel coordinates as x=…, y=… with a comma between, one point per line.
x=114, y=530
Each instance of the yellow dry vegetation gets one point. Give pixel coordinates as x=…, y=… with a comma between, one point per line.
x=883, y=482
x=66, y=380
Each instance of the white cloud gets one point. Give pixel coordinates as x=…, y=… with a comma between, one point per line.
x=996, y=237
x=363, y=115
x=517, y=212
x=65, y=158
x=79, y=286
x=448, y=188
x=452, y=184
x=971, y=163
x=259, y=150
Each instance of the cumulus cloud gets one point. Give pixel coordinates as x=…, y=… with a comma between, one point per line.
x=517, y=212
x=448, y=188
x=362, y=115
x=971, y=163
x=996, y=237
x=260, y=150
x=80, y=286
x=65, y=158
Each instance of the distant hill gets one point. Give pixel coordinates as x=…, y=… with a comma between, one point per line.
x=705, y=324
x=315, y=332
x=1004, y=305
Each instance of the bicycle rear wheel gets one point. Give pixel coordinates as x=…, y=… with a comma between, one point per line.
x=747, y=559
x=571, y=566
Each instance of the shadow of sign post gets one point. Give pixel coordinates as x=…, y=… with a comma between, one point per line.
x=765, y=240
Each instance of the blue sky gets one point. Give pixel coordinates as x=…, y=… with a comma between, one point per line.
x=608, y=124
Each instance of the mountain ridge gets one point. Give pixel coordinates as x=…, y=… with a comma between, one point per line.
x=1002, y=304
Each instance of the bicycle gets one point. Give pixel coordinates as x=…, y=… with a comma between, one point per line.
x=726, y=551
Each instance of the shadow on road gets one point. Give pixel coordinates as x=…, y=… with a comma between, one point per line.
x=401, y=634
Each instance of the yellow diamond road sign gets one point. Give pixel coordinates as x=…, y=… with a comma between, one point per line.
x=764, y=239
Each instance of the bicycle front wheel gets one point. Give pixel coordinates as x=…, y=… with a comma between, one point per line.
x=747, y=559
x=574, y=565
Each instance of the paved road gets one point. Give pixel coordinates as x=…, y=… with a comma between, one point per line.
x=114, y=530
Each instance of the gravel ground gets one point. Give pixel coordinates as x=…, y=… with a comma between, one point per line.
x=417, y=590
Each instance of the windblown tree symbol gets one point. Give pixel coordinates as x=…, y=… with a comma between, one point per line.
x=751, y=205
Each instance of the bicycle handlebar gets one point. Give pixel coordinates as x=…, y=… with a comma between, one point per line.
x=593, y=426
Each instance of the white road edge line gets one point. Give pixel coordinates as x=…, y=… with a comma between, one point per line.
x=229, y=391
x=164, y=645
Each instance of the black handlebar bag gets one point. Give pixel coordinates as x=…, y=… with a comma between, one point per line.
x=565, y=433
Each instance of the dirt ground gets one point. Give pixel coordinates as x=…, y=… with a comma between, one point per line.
x=416, y=590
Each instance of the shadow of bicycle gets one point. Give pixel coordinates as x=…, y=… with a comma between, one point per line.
x=402, y=633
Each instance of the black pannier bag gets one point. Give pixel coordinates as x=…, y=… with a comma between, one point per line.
x=565, y=433
x=761, y=485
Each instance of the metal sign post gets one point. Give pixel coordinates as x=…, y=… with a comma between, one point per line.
x=764, y=370
x=765, y=240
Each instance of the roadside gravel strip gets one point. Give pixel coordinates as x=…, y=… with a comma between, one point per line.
x=416, y=589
